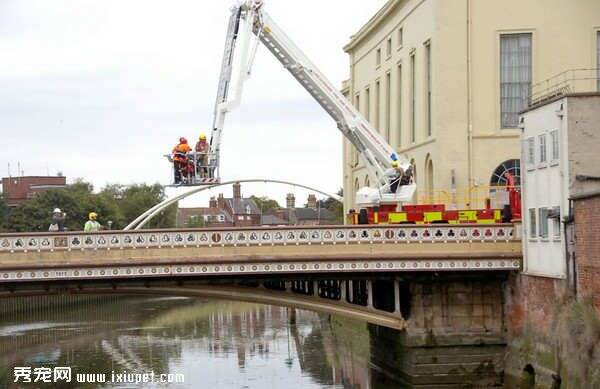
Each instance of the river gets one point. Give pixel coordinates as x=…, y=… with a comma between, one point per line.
x=189, y=343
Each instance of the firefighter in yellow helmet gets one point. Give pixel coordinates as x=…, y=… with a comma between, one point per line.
x=202, y=156
x=393, y=175
x=92, y=224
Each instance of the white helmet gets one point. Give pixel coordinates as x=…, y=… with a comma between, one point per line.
x=57, y=210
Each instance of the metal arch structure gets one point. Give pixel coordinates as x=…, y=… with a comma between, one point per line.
x=145, y=217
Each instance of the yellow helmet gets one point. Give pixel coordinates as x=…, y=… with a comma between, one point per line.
x=202, y=137
x=394, y=164
x=93, y=215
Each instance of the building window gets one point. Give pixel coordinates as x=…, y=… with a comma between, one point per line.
x=378, y=57
x=515, y=76
x=221, y=218
x=400, y=37
x=428, y=86
x=532, y=223
x=388, y=103
x=413, y=125
x=598, y=57
x=530, y=144
x=554, y=137
x=555, y=227
x=388, y=49
x=357, y=102
x=367, y=182
x=367, y=104
x=399, y=107
x=377, y=105
x=543, y=221
x=512, y=166
x=542, y=139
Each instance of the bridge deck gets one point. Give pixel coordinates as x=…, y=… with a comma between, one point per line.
x=323, y=249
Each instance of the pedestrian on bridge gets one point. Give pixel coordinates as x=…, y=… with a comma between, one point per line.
x=58, y=221
x=92, y=224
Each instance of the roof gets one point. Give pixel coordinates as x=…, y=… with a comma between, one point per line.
x=371, y=24
x=272, y=220
x=239, y=206
x=313, y=214
x=203, y=211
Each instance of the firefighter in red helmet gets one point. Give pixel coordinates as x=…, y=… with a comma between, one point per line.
x=180, y=159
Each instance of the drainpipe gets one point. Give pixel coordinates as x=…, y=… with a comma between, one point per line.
x=469, y=107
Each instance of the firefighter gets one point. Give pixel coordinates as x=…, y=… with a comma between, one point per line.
x=202, y=156
x=92, y=224
x=180, y=159
x=394, y=175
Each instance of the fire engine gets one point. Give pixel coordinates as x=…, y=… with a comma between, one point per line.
x=250, y=24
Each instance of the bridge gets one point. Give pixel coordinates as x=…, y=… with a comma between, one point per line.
x=374, y=273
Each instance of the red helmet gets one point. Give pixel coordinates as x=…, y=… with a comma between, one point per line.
x=182, y=140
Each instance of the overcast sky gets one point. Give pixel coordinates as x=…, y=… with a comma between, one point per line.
x=101, y=89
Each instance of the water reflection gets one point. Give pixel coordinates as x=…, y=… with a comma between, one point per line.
x=214, y=344
x=219, y=344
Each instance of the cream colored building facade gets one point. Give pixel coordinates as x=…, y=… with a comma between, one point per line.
x=444, y=80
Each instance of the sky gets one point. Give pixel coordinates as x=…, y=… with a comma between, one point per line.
x=101, y=90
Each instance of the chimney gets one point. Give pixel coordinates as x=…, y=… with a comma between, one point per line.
x=212, y=203
x=312, y=201
x=290, y=201
x=221, y=201
x=237, y=191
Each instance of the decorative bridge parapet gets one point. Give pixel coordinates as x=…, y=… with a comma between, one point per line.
x=257, y=251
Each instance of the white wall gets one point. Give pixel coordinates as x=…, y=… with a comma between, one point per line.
x=545, y=185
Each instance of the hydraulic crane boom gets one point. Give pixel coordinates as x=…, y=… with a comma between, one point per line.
x=375, y=152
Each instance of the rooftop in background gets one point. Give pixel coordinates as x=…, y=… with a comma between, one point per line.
x=17, y=190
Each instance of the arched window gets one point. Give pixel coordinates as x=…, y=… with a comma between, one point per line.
x=367, y=182
x=429, y=178
x=513, y=166
x=356, y=185
x=414, y=165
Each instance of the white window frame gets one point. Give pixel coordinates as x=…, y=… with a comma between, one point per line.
x=543, y=222
x=555, y=145
x=530, y=148
x=532, y=223
x=543, y=148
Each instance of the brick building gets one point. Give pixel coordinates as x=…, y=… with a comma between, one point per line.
x=587, y=246
x=311, y=215
x=17, y=190
x=235, y=211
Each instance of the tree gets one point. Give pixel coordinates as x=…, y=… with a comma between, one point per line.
x=265, y=204
x=3, y=213
x=115, y=203
x=334, y=206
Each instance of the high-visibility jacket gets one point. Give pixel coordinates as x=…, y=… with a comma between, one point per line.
x=182, y=148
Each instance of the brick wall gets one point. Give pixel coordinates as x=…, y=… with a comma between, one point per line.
x=587, y=247
x=20, y=189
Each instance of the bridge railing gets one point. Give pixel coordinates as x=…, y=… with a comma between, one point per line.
x=107, y=240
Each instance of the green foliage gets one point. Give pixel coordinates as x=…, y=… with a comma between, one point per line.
x=335, y=207
x=115, y=203
x=265, y=204
x=3, y=213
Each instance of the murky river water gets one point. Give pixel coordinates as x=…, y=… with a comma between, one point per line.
x=204, y=343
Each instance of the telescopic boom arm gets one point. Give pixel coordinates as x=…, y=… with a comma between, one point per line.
x=250, y=16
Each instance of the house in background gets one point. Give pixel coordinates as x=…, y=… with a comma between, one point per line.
x=235, y=211
x=17, y=190
x=238, y=211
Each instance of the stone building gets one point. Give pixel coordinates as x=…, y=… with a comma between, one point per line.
x=444, y=82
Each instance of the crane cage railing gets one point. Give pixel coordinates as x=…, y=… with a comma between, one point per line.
x=475, y=197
